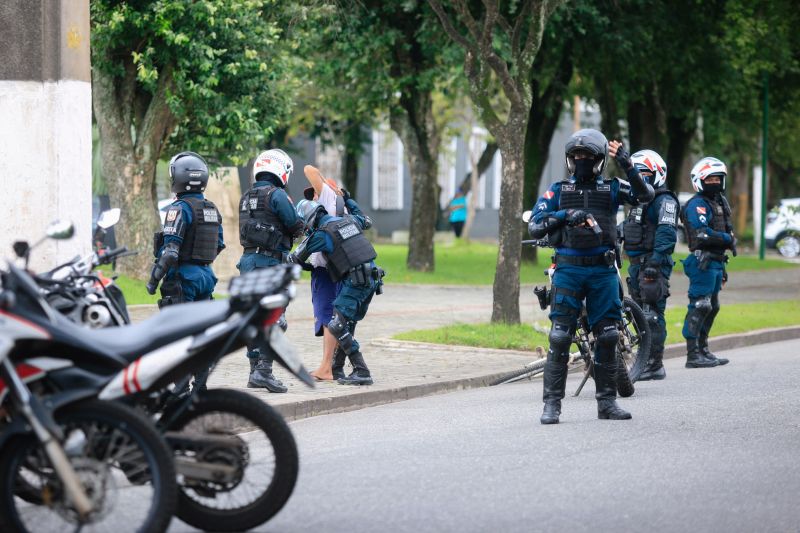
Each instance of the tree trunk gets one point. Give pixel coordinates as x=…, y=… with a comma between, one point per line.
x=353, y=140
x=679, y=135
x=415, y=126
x=128, y=162
x=740, y=191
x=511, y=140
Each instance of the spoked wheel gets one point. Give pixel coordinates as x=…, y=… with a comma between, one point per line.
x=236, y=460
x=528, y=371
x=122, y=462
x=633, y=348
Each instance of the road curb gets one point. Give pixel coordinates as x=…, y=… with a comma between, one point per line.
x=369, y=398
x=738, y=340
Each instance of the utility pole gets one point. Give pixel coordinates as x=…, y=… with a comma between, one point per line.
x=764, y=152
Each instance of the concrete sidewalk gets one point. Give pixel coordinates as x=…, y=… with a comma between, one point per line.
x=406, y=370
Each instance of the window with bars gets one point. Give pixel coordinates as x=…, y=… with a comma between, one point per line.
x=498, y=178
x=477, y=144
x=387, y=170
x=447, y=172
x=329, y=161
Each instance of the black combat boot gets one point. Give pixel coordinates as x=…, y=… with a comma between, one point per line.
x=606, y=392
x=339, y=357
x=654, y=369
x=262, y=376
x=703, y=342
x=360, y=374
x=555, y=381
x=695, y=357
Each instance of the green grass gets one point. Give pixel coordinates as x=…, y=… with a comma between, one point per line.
x=134, y=291
x=734, y=318
x=738, y=318
x=744, y=263
x=474, y=263
x=136, y=294
x=501, y=336
x=459, y=263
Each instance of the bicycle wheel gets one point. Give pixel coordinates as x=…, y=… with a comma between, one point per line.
x=122, y=461
x=634, y=339
x=262, y=464
x=530, y=370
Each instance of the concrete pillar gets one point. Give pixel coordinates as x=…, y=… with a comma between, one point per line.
x=45, y=129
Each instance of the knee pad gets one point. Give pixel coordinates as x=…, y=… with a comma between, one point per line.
x=606, y=336
x=560, y=339
x=715, y=303
x=338, y=327
x=703, y=305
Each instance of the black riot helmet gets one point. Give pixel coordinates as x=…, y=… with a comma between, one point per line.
x=590, y=141
x=189, y=172
x=310, y=211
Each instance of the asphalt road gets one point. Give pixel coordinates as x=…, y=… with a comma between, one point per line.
x=707, y=450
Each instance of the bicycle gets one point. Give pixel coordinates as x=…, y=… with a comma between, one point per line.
x=633, y=347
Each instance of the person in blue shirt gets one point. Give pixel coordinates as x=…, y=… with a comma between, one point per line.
x=579, y=217
x=709, y=231
x=351, y=261
x=191, y=237
x=268, y=225
x=458, y=212
x=190, y=240
x=650, y=236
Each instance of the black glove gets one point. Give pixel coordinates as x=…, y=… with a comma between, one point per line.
x=724, y=276
x=575, y=217
x=345, y=194
x=532, y=227
x=152, y=285
x=623, y=159
x=308, y=267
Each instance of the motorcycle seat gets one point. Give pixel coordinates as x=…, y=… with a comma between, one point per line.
x=172, y=323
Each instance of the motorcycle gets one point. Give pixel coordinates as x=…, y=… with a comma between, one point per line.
x=81, y=292
x=227, y=482
x=66, y=458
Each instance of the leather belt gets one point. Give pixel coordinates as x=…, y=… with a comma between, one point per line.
x=581, y=260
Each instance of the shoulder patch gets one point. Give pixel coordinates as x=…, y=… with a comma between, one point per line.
x=549, y=194
x=172, y=214
x=701, y=209
x=669, y=207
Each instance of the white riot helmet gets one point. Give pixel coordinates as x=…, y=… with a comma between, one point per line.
x=275, y=162
x=708, y=166
x=650, y=161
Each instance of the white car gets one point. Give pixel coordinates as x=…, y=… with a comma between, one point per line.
x=783, y=227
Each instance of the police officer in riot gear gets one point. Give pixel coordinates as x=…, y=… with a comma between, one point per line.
x=267, y=226
x=709, y=230
x=190, y=240
x=650, y=237
x=579, y=216
x=350, y=258
x=191, y=237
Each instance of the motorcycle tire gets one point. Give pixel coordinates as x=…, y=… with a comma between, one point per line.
x=100, y=437
x=640, y=341
x=625, y=386
x=195, y=503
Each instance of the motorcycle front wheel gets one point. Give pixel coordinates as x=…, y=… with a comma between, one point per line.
x=123, y=463
x=248, y=442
